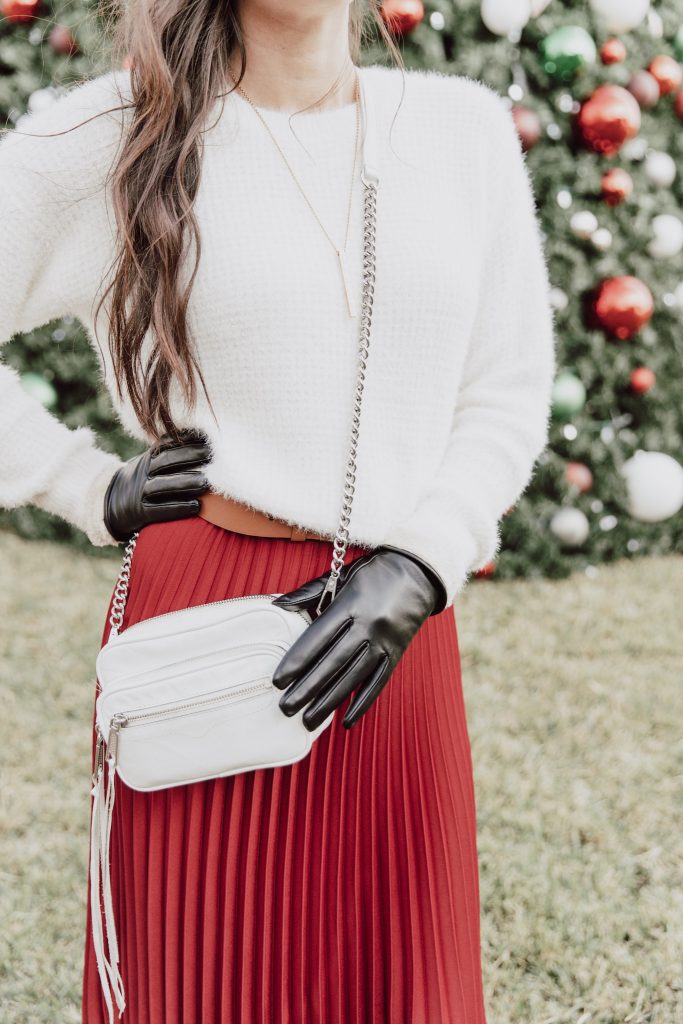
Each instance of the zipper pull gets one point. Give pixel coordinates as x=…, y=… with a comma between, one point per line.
x=117, y=723
x=99, y=756
x=331, y=588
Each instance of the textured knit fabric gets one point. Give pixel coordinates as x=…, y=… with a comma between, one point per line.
x=455, y=409
x=339, y=890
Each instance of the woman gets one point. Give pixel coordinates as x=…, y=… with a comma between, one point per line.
x=182, y=201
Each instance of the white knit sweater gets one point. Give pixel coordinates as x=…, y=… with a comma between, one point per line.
x=456, y=403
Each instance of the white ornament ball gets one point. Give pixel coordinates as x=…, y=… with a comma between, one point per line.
x=570, y=526
x=654, y=483
x=660, y=168
x=602, y=239
x=559, y=299
x=668, y=236
x=655, y=25
x=621, y=15
x=583, y=223
x=504, y=16
x=635, y=149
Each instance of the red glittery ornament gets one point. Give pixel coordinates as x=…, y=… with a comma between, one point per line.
x=578, y=475
x=20, y=12
x=642, y=379
x=616, y=185
x=623, y=305
x=528, y=125
x=62, y=42
x=402, y=16
x=608, y=118
x=486, y=571
x=667, y=71
x=612, y=51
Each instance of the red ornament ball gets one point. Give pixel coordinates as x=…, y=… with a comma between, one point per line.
x=645, y=88
x=20, y=12
x=402, y=16
x=578, y=475
x=485, y=571
x=608, y=118
x=642, y=380
x=667, y=71
x=62, y=42
x=612, y=51
x=528, y=125
x=616, y=186
x=678, y=104
x=623, y=305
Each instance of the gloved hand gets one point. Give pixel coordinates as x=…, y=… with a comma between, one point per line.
x=381, y=601
x=161, y=484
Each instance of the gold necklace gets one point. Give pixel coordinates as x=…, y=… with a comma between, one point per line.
x=341, y=253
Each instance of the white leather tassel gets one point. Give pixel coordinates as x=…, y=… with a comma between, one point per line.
x=100, y=836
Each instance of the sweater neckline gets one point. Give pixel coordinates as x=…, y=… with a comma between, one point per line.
x=328, y=115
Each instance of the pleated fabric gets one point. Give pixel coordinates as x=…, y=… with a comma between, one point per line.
x=342, y=889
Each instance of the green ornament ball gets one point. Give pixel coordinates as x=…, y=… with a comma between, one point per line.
x=678, y=43
x=39, y=388
x=566, y=50
x=568, y=397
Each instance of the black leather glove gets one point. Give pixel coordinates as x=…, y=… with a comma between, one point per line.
x=381, y=601
x=161, y=484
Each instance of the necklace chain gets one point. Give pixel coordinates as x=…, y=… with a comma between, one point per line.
x=340, y=252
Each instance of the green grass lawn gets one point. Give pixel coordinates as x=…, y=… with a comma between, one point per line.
x=575, y=702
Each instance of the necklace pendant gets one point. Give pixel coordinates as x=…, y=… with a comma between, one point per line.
x=347, y=291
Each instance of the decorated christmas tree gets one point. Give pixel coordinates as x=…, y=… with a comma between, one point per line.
x=595, y=89
x=595, y=92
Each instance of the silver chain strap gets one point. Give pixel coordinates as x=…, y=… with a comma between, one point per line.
x=341, y=538
x=118, y=604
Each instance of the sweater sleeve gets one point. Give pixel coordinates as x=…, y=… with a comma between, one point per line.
x=47, y=188
x=502, y=409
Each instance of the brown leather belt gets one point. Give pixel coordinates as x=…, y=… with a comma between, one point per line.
x=233, y=515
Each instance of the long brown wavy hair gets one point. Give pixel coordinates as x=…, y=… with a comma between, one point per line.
x=178, y=52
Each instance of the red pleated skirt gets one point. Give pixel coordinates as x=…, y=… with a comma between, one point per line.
x=342, y=889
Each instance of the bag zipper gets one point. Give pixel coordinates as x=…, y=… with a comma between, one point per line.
x=209, y=604
x=121, y=719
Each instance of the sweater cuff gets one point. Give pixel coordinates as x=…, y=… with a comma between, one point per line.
x=454, y=553
x=76, y=492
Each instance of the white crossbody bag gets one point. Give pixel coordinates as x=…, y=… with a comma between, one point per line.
x=188, y=695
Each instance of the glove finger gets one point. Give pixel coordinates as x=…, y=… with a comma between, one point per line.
x=344, y=682
x=185, y=456
x=166, y=512
x=304, y=596
x=179, y=485
x=369, y=693
x=318, y=640
x=311, y=686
